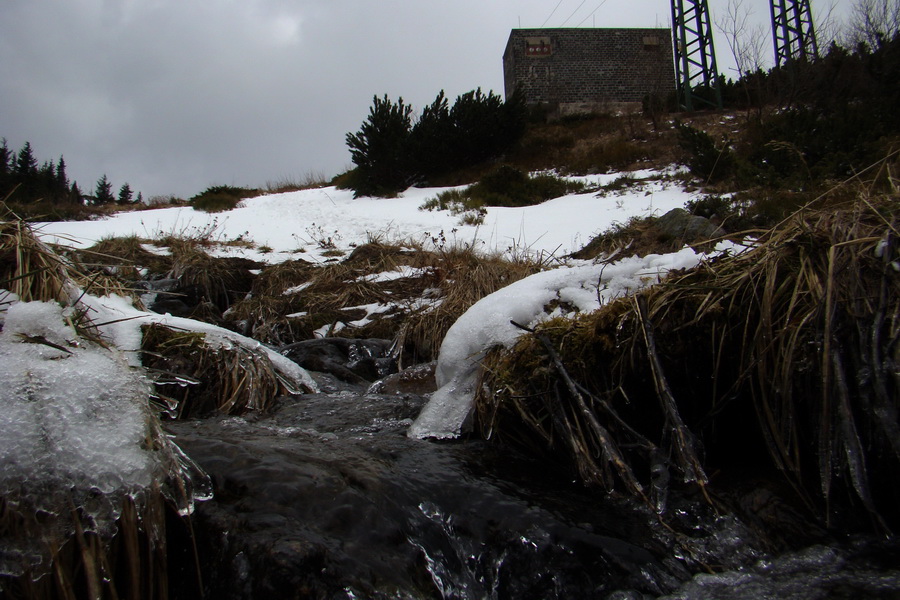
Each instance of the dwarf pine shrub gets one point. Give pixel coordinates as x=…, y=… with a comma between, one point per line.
x=392, y=151
x=220, y=198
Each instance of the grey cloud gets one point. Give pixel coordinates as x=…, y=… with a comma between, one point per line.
x=176, y=95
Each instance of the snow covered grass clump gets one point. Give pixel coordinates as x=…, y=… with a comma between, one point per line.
x=69, y=413
x=82, y=456
x=489, y=324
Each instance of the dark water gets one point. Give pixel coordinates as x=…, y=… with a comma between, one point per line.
x=327, y=498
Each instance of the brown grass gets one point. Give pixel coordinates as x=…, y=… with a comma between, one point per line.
x=785, y=354
x=123, y=257
x=28, y=267
x=636, y=237
x=594, y=144
x=457, y=277
x=196, y=378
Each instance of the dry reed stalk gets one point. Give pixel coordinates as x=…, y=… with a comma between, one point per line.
x=130, y=565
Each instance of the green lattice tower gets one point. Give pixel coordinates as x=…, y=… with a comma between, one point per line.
x=696, y=74
x=793, y=31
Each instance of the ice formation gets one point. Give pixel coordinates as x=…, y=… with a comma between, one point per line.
x=487, y=324
x=68, y=412
x=76, y=431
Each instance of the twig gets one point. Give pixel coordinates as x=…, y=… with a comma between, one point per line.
x=684, y=439
x=607, y=445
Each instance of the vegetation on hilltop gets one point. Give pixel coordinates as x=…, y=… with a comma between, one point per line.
x=45, y=191
x=392, y=150
x=219, y=198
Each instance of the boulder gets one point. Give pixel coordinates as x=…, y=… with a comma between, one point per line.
x=418, y=379
x=681, y=225
x=351, y=360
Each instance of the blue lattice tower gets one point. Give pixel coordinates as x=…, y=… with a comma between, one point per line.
x=695, y=55
x=793, y=31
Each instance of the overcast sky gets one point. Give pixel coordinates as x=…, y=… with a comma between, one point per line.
x=173, y=96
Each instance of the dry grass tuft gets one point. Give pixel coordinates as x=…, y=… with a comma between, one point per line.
x=221, y=281
x=786, y=354
x=461, y=277
x=636, y=237
x=123, y=257
x=198, y=379
x=28, y=267
x=416, y=309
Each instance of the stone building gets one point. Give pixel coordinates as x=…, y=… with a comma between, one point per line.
x=580, y=70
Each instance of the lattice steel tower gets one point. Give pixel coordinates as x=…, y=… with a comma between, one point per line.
x=695, y=56
x=793, y=31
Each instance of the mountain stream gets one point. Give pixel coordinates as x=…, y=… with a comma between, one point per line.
x=326, y=497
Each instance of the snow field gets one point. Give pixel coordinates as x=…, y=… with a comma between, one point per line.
x=307, y=223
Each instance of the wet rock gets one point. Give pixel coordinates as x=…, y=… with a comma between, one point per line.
x=418, y=379
x=681, y=225
x=171, y=306
x=351, y=360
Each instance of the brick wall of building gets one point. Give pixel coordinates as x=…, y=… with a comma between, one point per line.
x=568, y=66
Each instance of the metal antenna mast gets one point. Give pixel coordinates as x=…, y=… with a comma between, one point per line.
x=792, y=31
x=695, y=56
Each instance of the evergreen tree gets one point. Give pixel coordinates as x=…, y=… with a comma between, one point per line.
x=62, y=180
x=45, y=182
x=485, y=126
x=380, y=149
x=75, y=195
x=6, y=159
x=390, y=153
x=431, y=140
x=103, y=192
x=125, y=194
x=25, y=175
x=26, y=164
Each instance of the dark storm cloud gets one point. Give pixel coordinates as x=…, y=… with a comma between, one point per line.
x=176, y=95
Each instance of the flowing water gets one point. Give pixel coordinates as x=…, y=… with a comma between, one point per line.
x=326, y=497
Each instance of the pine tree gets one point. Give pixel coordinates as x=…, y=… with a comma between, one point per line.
x=26, y=163
x=380, y=149
x=45, y=182
x=431, y=139
x=103, y=193
x=75, y=195
x=6, y=158
x=62, y=180
x=125, y=194
x=25, y=175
